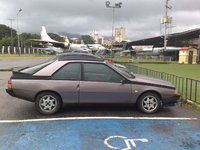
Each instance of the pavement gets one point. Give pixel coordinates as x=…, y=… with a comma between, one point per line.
x=13, y=62
x=89, y=127
x=101, y=134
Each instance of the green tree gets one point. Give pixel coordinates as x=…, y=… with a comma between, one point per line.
x=5, y=31
x=25, y=35
x=56, y=37
x=122, y=42
x=5, y=41
x=15, y=41
x=26, y=39
x=107, y=46
x=87, y=39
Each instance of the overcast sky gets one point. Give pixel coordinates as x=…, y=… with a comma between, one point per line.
x=140, y=17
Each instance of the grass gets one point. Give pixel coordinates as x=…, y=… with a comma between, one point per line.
x=191, y=105
x=182, y=70
x=9, y=69
x=120, y=59
x=25, y=55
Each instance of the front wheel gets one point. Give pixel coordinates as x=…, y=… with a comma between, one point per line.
x=48, y=103
x=149, y=102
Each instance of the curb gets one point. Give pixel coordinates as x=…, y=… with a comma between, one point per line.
x=7, y=69
x=193, y=103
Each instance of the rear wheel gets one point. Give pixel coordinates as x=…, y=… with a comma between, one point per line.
x=48, y=103
x=149, y=102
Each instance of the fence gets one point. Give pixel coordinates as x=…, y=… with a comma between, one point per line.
x=144, y=58
x=188, y=88
x=18, y=50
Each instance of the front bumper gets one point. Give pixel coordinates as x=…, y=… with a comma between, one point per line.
x=10, y=92
x=171, y=100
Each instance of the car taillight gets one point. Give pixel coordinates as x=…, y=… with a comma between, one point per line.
x=108, y=61
x=9, y=84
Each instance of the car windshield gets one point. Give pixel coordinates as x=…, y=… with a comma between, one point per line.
x=123, y=71
x=35, y=68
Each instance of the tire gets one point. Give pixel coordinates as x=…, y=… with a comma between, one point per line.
x=149, y=103
x=48, y=103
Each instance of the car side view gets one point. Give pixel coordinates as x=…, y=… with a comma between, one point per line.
x=76, y=78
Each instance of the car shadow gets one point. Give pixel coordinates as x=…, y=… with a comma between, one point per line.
x=26, y=110
x=109, y=111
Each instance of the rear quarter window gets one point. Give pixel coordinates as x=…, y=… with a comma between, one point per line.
x=34, y=69
x=71, y=71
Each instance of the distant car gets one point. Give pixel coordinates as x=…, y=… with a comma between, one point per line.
x=84, y=78
x=75, y=51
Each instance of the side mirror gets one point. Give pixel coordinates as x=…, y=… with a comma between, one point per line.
x=123, y=81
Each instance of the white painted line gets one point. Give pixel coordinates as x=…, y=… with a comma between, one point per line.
x=82, y=118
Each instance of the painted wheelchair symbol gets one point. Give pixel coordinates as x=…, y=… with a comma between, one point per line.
x=130, y=143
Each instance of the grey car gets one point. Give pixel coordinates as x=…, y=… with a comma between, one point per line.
x=87, y=79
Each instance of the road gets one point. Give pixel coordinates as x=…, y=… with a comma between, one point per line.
x=12, y=62
x=95, y=128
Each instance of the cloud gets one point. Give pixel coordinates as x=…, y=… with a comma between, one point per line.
x=139, y=17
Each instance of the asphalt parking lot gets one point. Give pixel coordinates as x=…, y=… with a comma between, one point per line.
x=12, y=62
x=170, y=128
x=15, y=109
x=101, y=134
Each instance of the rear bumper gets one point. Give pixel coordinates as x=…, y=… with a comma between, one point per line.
x=10, y=92
x=170, y=101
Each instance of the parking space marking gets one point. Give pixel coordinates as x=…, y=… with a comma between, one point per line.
x=129, y=142
x=101, y=133
x=80, y=118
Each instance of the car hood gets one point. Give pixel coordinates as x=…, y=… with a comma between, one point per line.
x=152, y=81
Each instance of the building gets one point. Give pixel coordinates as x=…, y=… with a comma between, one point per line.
x=107, y=42
x=97, y=38
x=181, y=39
x=188, y=55
x=120, y=34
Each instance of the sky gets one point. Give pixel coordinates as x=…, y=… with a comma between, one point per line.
x=141, y=18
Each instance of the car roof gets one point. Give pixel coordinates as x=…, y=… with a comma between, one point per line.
x=78, y=56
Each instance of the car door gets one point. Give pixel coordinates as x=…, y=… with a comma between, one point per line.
x=101, y=84
x=66, y=82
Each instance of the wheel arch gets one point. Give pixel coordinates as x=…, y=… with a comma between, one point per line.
x=150, y=91
x=48, y=91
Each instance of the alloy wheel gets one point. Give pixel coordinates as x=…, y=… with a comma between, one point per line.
x=150, y=103
x=47, y=103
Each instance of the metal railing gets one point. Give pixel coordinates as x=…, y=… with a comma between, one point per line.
x=145, y=58
x=188, y=88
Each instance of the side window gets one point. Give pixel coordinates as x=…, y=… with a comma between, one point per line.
x=101, y=73
x=71, y=71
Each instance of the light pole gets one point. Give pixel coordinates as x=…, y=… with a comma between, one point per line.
x=18, y=27
x=117, y=5
x=198, y=56
x=11, y=42
x=166, y=20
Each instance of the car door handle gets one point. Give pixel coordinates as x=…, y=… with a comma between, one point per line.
x=78, y=86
